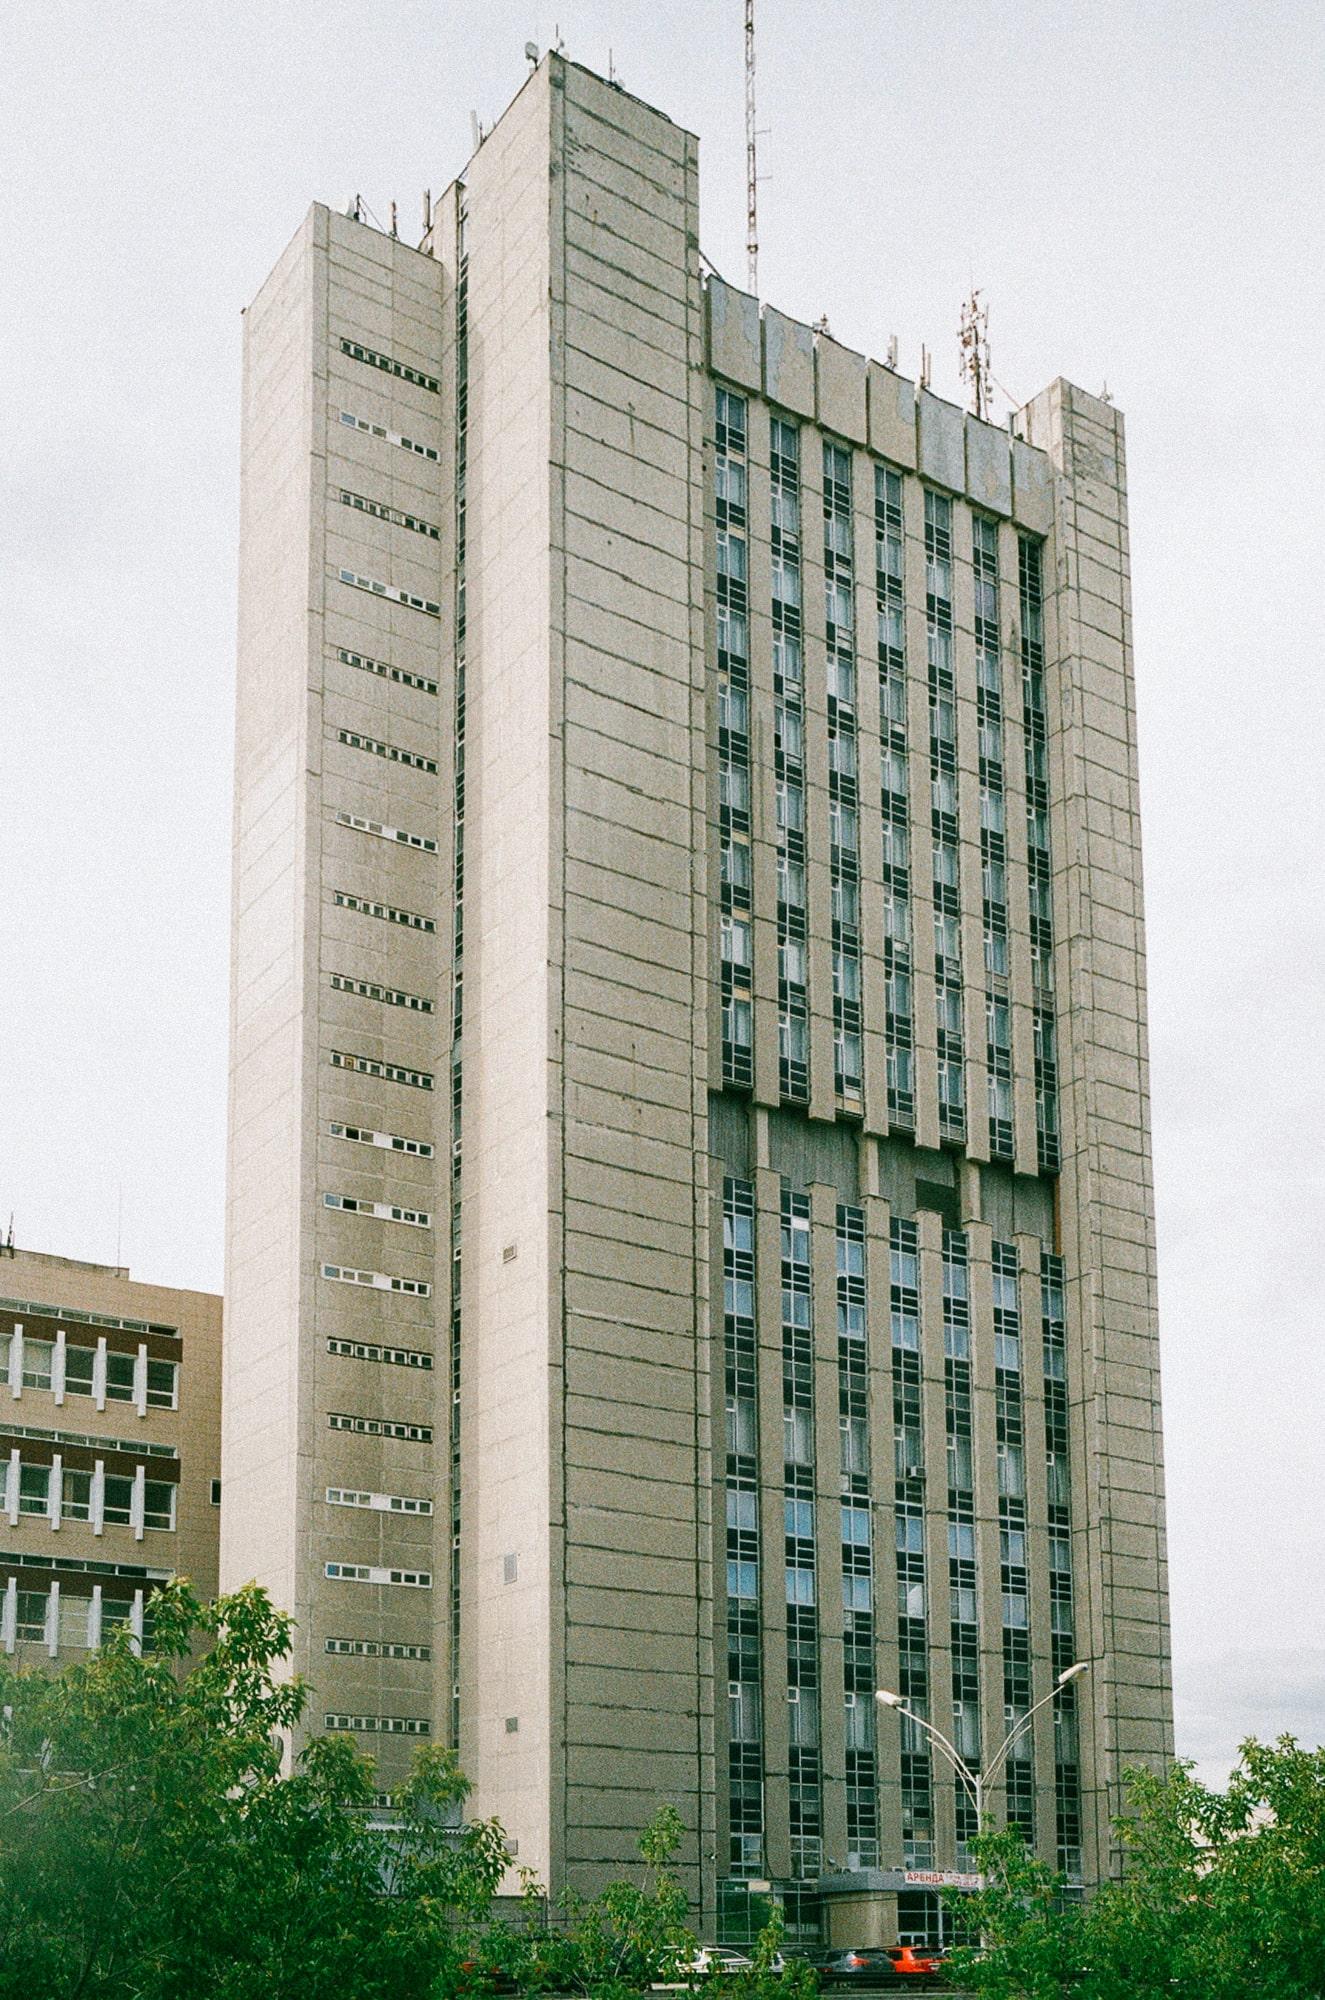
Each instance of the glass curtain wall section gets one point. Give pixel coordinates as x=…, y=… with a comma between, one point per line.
x=730, y=506
x=858, y=1674
x=1009, y=1412
x=993, y=835
x=1031, y=577
x=889, y=589
x=843, y=796
x=806, y=1791
x=909, y=1522
x=745, y=1754
x=943, y=784
x=458, y=935
x=1062, y=1614
x=789, y=761
x=964, y=1600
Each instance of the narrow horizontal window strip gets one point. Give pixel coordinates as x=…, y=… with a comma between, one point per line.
x=379, y=1725
x=137, y=1446
x=377, y=1503
x=409, y=920
x=393, y=833
x=388, y=590
x=389, y=365
x=390, y=751
x=390, y=437
x=418, y=1079
x=385, y=1211
x=371, y=1350
x=389, y=1142
x=380, y=1427
x=31, y=1308
x=377, y=1281
x=82, y=1566
x=389, y=996
x=413, y=1579
x=385, y=671
x=380, y=511
x=378, y=1649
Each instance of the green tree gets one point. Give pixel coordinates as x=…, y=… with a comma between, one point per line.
x=1222, y=1895
x=617, y=1942
x=150, y=1848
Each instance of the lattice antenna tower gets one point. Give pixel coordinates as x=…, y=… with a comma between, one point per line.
x=751, y=155
x=974, y=342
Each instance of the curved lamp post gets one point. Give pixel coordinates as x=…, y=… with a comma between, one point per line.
x=975, y=1781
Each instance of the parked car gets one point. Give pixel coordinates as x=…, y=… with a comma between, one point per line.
x=915, y=1961
x=880, y=1965
x=711, y=1961
x=862, y=1965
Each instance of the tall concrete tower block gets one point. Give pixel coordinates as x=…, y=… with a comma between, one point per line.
x=690, y=1245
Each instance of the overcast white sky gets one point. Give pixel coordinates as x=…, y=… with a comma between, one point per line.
x=1137, y=188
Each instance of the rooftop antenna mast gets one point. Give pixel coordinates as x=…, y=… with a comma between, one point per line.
x=974, y=342
x=751, y=161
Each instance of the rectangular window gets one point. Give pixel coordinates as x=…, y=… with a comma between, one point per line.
x=78, y=1365
x=37, y=1363
x=159, y=1504
x=120, y=1372
x=161, y=1385
x=118, y=1509
x=34, y=1489
x=76, y=1496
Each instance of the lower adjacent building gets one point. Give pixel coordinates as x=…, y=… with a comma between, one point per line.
x=691, y=1255
x=110, y=1451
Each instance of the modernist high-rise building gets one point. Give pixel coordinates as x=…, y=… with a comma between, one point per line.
x=690, y=1244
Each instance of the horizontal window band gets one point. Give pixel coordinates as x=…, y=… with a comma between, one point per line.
x=121, y=1458
x=390, y=751
x=389, y=1142
x=380, y=1427
x=388, y=590
x=387, y=913
x=389, y=996
x=385, y=1211
x=378, y=1281
x=393, y=833
x=381, y=512
x=412, y=1579
x=384, y=1725
x=390, y=366
x=371, y=1350
x=418, y=1079
x=378, y=1503
x=385, y=671
x=31, y=1309
x=79, y=1566
x=90, y=1443
x=390, y=437
x=377, y=1649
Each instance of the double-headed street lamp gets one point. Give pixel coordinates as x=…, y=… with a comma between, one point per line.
x=975, y=1781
